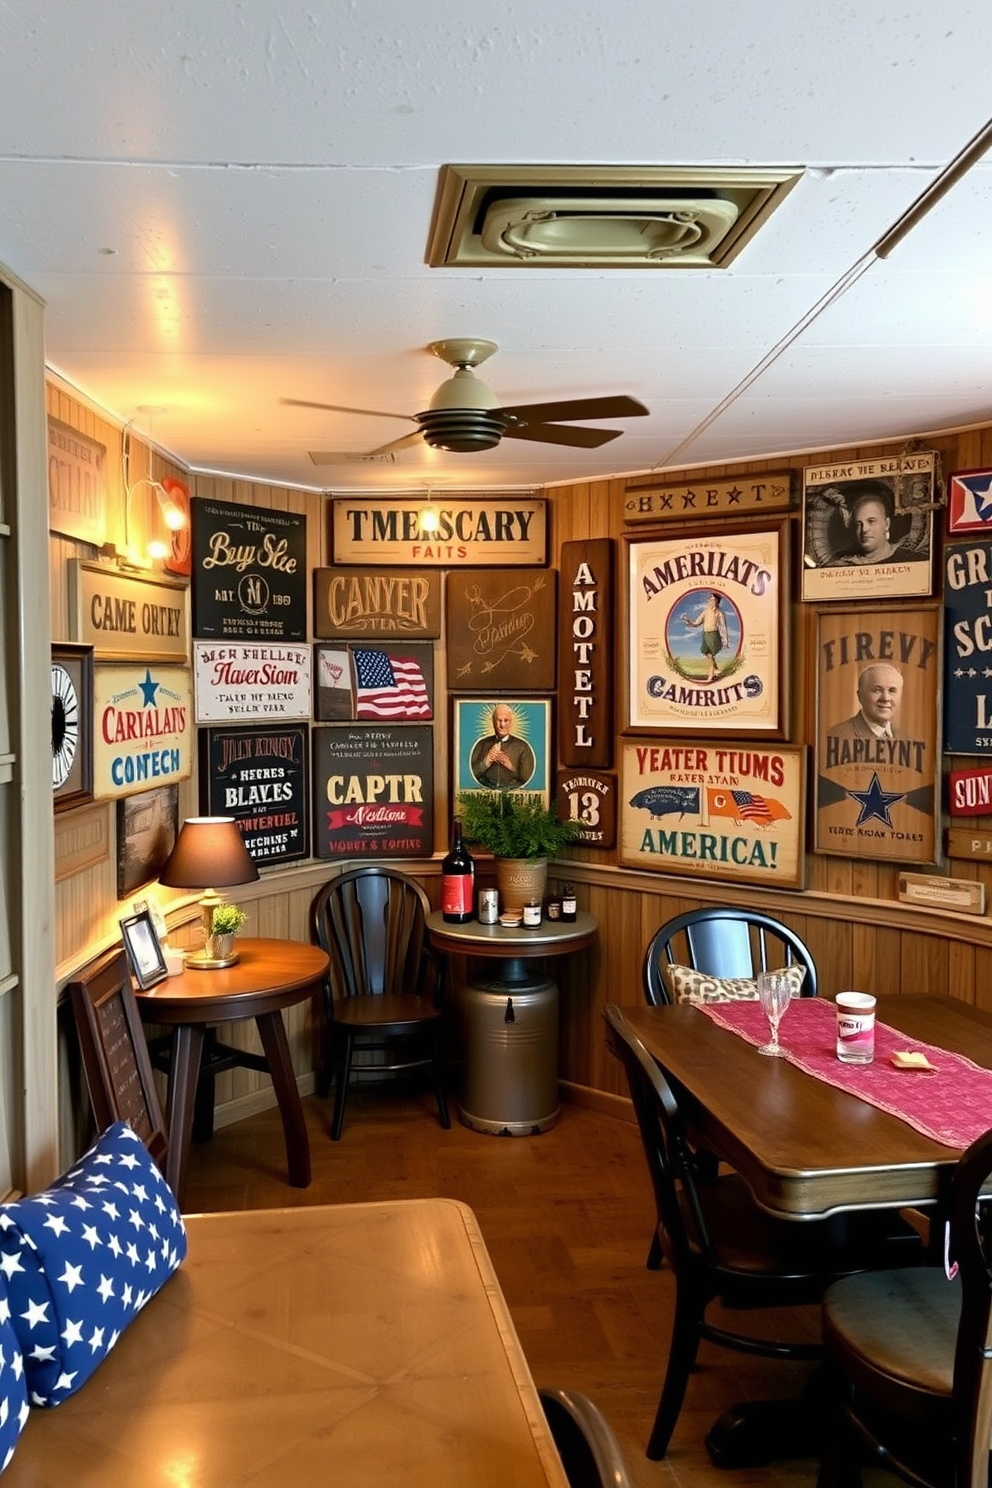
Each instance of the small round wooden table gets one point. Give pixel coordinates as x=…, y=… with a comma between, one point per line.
x=269, y=975
x=511, y=1020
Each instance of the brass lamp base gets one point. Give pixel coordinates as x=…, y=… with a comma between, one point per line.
x=200, y=961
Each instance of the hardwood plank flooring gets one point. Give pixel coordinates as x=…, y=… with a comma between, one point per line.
x=567, y=1217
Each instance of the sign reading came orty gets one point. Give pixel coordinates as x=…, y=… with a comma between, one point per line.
x=128, y=617
x=498, y=532
x=249, y=573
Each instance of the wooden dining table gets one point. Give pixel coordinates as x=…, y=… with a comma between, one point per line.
x=360, y=1344
x=806, y=1148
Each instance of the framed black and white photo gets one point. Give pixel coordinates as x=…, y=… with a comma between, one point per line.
x=144, y=951
x=868, y=528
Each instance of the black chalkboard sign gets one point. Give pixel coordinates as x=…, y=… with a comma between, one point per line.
x=115, y=1054
x=261, y=777
x=249, y=573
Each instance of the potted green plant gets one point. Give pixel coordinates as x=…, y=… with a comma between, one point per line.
x=226, y=922
x=521, y=833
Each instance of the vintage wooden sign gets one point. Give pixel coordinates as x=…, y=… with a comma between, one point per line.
x=501, y=630
x=373, y=792
x=261, y=777
x=242, y=681
x=969, y=793
x=77, y=484
x=506, y=531
x=585, y=653
x=723, y=811
x=249, y=572
x=356, y=603
x=708, y=631
x=128, y=617
x=590, y=798
x=878, y=733
x=142, y=728
x=963, y=842
x=645, y=501
x=961, y=894
x=392, y=682
x=968, y=648
x=969, y=501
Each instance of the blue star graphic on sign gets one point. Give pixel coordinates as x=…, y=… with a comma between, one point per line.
x=983, y=499
x=148, y=690
x=875, y=802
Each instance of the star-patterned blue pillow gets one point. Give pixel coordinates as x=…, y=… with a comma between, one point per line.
x=81, y=1259
x=13, y=1386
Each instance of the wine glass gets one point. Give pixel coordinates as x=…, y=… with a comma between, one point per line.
x=774, y=994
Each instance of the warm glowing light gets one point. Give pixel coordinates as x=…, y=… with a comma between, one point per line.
x=428, y=520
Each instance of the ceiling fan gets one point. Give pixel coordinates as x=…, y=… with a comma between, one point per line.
x=464, y=416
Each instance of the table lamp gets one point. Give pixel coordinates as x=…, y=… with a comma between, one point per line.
x=210, y=853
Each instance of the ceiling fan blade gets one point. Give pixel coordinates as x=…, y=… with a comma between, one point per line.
x=578, y=408
x=338, y=408
x=341, y=457
x=561, y=434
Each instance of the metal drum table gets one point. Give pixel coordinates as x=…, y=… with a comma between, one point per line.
x=510, y=1082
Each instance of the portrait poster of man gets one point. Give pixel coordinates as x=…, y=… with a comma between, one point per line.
x=878, y=733
x=868, y=528
x=502, y=744
x=707, y=637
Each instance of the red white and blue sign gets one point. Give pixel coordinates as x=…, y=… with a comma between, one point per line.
x=969, y=502
x=968, y=647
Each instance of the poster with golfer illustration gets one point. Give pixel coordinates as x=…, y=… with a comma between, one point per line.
x=707, y=633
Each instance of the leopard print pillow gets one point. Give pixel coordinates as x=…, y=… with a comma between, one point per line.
x=686, y=985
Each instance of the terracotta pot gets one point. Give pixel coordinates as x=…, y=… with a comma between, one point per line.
x=520, y=881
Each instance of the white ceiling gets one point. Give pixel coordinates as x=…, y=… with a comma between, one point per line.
x=228, y=202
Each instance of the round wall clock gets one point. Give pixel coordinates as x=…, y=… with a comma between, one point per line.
x=72, y=707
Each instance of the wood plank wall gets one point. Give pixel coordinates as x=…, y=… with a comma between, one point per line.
x=849, y=915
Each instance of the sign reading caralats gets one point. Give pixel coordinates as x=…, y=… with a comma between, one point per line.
x=143, y=728
x=454, y=532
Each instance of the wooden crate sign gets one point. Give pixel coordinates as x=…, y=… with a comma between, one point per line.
x=356, y=603
x=961, y=842
x=969, y=792
x=742, y=495
x=585, y=653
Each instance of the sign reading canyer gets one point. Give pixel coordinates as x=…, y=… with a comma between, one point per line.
x=453, y=532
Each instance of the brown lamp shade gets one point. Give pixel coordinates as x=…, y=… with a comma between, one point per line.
x=210, y=853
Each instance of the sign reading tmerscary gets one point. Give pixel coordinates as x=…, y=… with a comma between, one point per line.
x=455, y=532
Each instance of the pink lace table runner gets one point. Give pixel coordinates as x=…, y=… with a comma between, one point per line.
x=953, y=1106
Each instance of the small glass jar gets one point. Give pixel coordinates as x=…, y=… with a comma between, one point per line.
x=569, y=908
x=532, y=915
x=553, y=907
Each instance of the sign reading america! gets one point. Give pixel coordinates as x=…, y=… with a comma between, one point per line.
x=714, y=811
x=460, y=533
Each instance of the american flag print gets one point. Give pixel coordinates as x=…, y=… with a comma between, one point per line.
x=82, y=1258
x=390, y=687
x=745, y=806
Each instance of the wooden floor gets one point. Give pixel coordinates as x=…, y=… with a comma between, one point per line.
x=567, y=1217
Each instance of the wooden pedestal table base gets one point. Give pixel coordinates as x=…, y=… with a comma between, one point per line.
x=270, y=975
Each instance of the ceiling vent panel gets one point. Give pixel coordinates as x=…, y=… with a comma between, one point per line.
x=600, y=217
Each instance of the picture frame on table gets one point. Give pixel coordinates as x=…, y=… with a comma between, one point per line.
x=72, y=725
x=707, y=631
x=878, y=732
x=491, y=753
x=145, y=955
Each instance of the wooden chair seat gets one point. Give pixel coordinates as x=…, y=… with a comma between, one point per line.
x=390, y=1012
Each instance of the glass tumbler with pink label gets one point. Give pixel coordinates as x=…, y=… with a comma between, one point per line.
x=855, y=1027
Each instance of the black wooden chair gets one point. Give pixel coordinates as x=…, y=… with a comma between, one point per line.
x=383, y=990
x=723, y=942
x=589, y=1451
x=721, y=1246
x=914, y=1353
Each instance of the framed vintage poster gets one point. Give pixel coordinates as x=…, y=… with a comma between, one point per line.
x=868, y=528
x=142, y=728
x=261, y=777
x=501, y=629
x=968, y=647
x=707, y=626
x=878, y=733
x=502, y=744
x=249, y=573
x=714, y=810
x=238, y=682
x=72, y=725
x=365, y=604
x=391, y=682
x=969, y=502
x=147, y=828
x=373, y=792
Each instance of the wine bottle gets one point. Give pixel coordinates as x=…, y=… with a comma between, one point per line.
x=457, y=880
